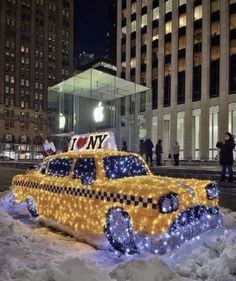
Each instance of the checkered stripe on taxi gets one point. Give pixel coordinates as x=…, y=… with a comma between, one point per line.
x=93, y=194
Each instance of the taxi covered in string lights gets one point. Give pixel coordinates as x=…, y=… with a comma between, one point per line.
x=103, y=193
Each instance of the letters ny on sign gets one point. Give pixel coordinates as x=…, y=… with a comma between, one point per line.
x=96, y=141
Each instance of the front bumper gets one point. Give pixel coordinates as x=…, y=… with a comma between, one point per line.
x=189, y=224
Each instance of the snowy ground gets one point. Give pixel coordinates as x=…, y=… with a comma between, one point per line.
x=29, y=251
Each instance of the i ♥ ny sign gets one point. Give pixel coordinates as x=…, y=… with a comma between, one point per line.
x=95, y=141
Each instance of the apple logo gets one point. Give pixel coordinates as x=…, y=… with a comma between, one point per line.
x=62, y=121
x=98, y=113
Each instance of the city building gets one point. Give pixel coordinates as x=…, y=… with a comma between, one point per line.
x=185, y=51
x=87, y=61
x=110, y=46
x=36, y=52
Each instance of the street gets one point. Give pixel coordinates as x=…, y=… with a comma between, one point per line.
x=6, y=175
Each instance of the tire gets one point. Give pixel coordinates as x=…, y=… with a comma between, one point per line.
x=31, y=205
x=119, y=232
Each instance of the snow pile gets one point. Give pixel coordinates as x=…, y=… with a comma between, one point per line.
x=140, y=270
x=213, y=260
x=30, y=252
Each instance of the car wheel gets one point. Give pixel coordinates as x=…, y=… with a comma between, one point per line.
x=119, y=232
x=31, y=205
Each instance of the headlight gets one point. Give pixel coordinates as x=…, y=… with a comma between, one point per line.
x=168, y=203
x=212, y=191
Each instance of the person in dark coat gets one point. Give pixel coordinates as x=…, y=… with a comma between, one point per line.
x=158, y=152
x=124, y=146
x=141, y=148
x=226, y=156
x=148, y=150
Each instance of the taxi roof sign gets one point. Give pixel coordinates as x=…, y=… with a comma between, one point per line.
x=98, y=141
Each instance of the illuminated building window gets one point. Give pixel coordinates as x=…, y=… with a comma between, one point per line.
x=215, y=28
x=144, y=20
x=155, y=34
x=155, y=15
x=143, y=58
x=182, y=42
x=167, y=48
x=182, y=21
x=133, y=8
x=196, y=113
x=213, y=131
x=215, y=6
x=144, y=39
x=168, y=6
x=133, y=26
x=144, y=3
x=198, y=12
x=180, y=133
x=59, y=167
x=168, y=27
x=182, y=2
x=133, y=63
x=124, y=64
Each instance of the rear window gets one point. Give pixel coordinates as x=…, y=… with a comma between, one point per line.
x=59, y=167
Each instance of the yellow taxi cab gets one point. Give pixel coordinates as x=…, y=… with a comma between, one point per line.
x=113, y=194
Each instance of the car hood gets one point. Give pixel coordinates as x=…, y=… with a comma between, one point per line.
x=150, y=186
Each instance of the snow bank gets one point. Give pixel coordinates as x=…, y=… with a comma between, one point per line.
x=140, y=270
x=30, y=252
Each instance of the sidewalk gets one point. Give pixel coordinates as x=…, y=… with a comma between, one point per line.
x=227, y=190
x=199, y=172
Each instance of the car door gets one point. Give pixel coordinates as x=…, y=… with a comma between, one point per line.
x=52, y=185
x=85, y=175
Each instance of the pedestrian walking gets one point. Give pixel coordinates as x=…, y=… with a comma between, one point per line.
x=176, y=153
x=148, y=145
x=124, y=146
x=159, y=152
x=226, y=147
x=141, y=148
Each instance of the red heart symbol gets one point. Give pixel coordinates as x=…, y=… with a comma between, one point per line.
x=81, y=142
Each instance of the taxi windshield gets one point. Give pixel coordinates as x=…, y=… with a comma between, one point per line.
x=117, y=167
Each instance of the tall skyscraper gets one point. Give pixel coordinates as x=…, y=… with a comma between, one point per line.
x=36, y=52
x=185, y=51
x=110, y=46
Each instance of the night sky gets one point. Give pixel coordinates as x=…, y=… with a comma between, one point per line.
x=91, y=22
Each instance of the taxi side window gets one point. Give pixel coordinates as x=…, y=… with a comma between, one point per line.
x=85, y=170
x=59, y=167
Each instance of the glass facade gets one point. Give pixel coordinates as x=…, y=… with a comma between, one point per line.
x=93, y=101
